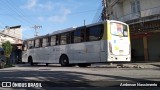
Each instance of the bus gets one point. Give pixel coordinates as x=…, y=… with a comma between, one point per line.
x=107, y=41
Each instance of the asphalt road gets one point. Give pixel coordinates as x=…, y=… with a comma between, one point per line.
x=91, y=77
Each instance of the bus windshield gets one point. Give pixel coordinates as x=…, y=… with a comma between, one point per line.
x=119, y=29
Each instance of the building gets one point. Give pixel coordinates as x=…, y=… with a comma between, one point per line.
x=143, y=17
x=12, y=34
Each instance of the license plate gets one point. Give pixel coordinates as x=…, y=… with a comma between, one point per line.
x=121, y=51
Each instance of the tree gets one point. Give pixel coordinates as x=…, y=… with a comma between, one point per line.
x=7, y=50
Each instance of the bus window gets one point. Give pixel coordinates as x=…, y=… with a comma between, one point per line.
x=37, y=43
x=30, y=44
x=72, y=37
x=63, y=38
x=45, y=42
x=83, y=35
x=125, y=32
x=77, y=36
x=94, y=33
x=68, y=38
x=57, y=39
x=24, y=47
x=53, y=40
x=119, y=29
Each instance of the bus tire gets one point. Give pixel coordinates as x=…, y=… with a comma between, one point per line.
x=30, y=60
x=64, y=61
x=84, y=64
x=47, y=64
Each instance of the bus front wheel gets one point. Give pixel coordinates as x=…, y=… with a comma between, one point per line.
x=64, y=61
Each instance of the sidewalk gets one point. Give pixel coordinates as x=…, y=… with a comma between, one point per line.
x=129, y=65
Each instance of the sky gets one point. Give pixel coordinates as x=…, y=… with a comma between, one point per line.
x=52, y=15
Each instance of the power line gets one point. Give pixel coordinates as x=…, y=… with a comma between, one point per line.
x=21, y=12
x=97, y=16
x=14, y=10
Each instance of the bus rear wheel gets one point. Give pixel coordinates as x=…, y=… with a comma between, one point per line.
x=64, y=61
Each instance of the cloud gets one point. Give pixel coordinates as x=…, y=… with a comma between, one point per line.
x=52, y=11
x=35, y=5
x=30, y=4
x=47, y=5
x=61, y=17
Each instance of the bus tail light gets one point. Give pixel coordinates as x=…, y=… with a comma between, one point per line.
x=110, y=47
x=129, y=49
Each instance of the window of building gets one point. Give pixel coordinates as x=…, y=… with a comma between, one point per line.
x=94, y=33
x=135, y=6
x=53, y=40
x=109, y=1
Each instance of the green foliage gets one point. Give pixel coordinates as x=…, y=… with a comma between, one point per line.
x=7, y=48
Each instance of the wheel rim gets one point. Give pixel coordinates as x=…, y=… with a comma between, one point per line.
x=64, y=61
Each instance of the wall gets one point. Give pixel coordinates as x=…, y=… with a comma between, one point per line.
x=118, y=10
x=14, y=32
x=137, y=45
x=146, y=4
x=154, y=47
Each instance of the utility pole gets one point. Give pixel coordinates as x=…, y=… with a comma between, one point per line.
x=36, y=28
x=84, y=22
x=104, y=13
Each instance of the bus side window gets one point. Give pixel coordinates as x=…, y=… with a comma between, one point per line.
x=30, y=44
x=53, y=40
x=68, y=37
x=95, y=32
x=24, y=47
x=37, y=43
x=57, y=39
x=45, y=42
x=72, y=37
x=83, y=35
x=40, y=42
x=87, y=34
x=77, y=36
x=63, y=38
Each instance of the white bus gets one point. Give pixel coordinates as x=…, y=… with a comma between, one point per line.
x=107, y=41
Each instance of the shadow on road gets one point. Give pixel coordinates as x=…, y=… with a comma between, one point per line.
x=65, y=78
x=155, y=65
